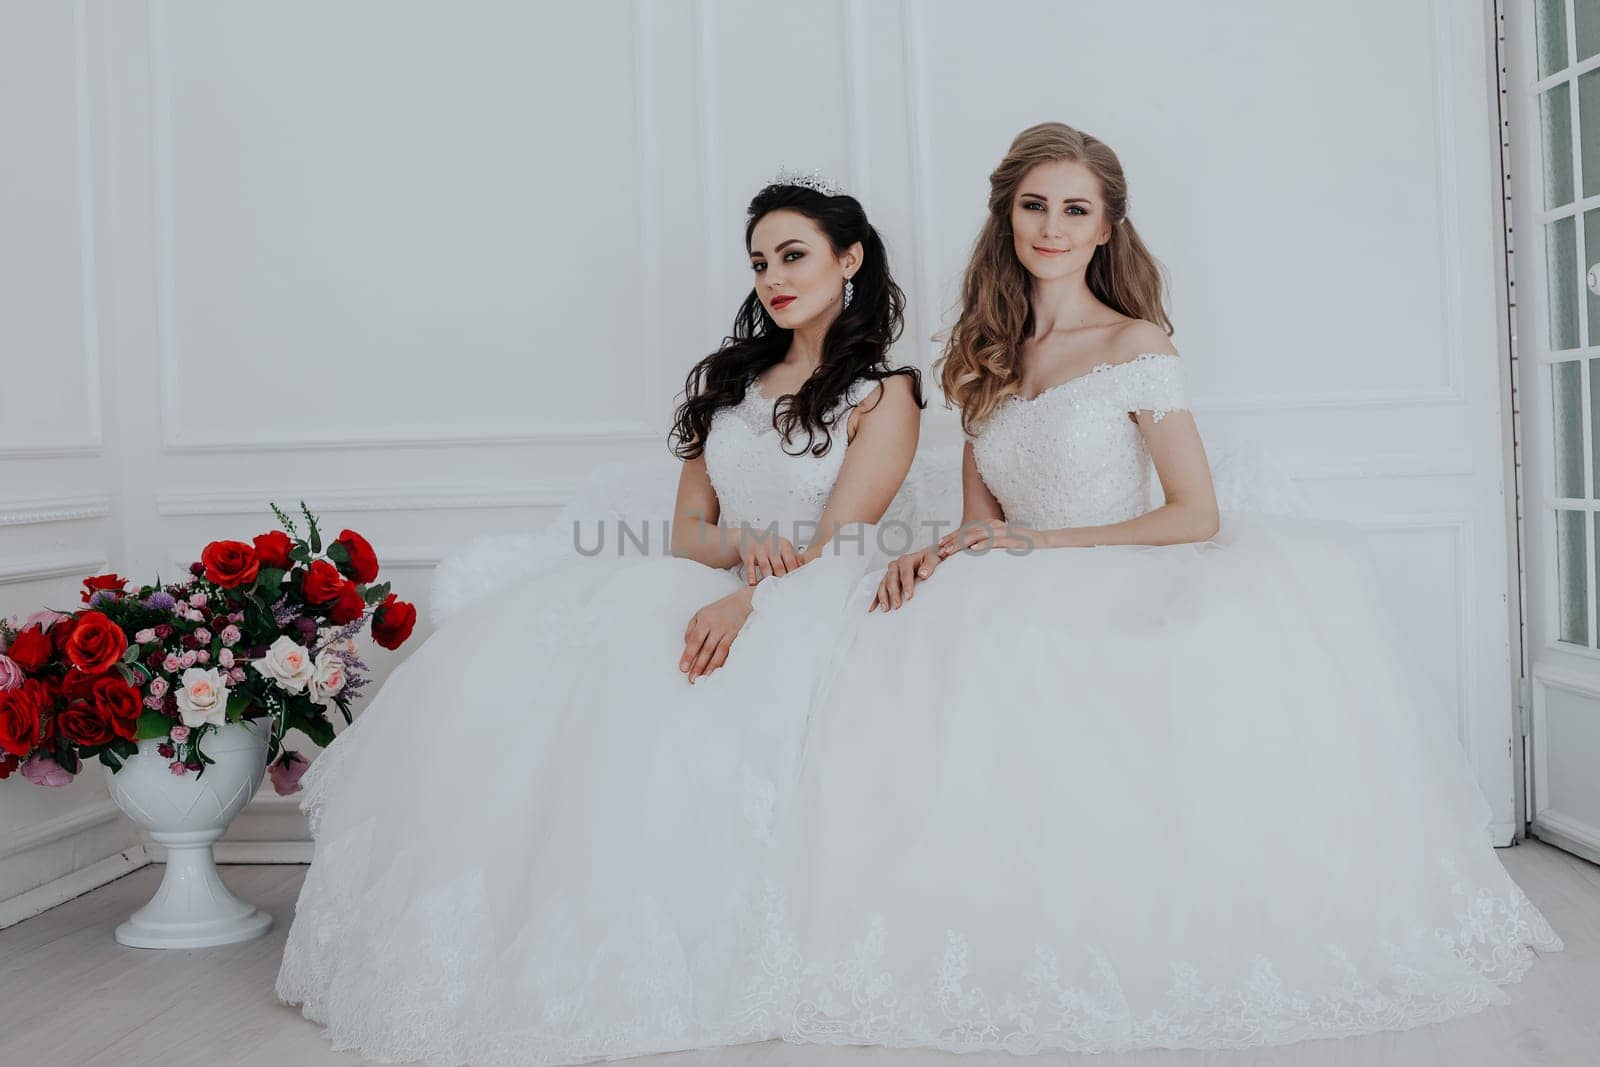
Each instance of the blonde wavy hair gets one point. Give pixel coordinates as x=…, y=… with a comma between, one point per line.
x=978, y=368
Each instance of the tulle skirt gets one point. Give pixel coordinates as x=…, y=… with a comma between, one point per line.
x=1131, y=796
x=537, y=844
x=1084, y=799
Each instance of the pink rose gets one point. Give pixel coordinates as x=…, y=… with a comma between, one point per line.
x=45, y=619
x=225, y=657
x=187, y=659
x=203, y=635
x=236, y=616
x=202, y=656
x=171, y=663
x=177, y=767
x=286, y=772
x=180, y=734
x=144, y=637
x=42, y=770
x=230, y=635
x=153, y=703
x=197, y=600
x=159, y=687
x=10, y=674
x=236, y=674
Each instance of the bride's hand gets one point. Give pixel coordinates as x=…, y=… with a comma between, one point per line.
x=764, y=554
x=711, y=632
x=982, y=535
x=901, y=577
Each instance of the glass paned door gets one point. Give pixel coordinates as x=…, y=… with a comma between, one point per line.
x=1553, y=67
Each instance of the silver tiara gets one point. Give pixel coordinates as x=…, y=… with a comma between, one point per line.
x=813, y=179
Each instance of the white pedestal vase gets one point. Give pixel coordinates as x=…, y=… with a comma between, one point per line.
x=186, y=813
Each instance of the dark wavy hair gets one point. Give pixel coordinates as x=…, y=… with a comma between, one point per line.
x=855, y=343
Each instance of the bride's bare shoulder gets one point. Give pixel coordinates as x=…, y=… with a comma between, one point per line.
x=1138, y=336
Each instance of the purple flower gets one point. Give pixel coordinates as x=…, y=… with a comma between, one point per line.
x=42, y=770
x=286, y=772
x=160, y=601
x=101, y=596
x=10, y=674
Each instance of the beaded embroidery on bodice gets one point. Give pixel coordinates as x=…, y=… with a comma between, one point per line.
x=1070, y=456
x=759, y=483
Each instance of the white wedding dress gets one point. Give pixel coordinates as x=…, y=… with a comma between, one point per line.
x=1122, y=797
x=537, y=844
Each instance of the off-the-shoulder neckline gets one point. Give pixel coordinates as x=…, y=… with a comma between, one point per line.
x=1098, y=368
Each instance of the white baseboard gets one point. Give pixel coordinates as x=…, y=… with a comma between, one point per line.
x=270, y=829
x=27, y=905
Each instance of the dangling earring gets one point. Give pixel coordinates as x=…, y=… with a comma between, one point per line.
x=849, y=291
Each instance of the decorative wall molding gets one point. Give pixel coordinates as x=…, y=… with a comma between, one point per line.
x=73, y=884
x=50, y=567
x=89, y=352
x=53, y=509
x=95, y=813
x=429, y=498
x=1452, y=391
x=175, y=439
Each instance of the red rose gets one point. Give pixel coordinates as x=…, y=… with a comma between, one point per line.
x=76, y=686
x=21, y=712
x=392, y=622
x=273, y=549
x=323, y=582
x=349, y=606
x=31, y=649
x=118, y=702
x=96, y=643
x=230, y=563
x=103, y=581
x=363, y=565
x=84, y=725
x=59, y=634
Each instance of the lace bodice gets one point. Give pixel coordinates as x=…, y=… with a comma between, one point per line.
x=1070, y=456
x=757, y=481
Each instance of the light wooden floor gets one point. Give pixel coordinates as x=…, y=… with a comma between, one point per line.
x=69, y=994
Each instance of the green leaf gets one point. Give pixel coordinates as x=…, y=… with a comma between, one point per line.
x=301, y=553
x=376, y=593
x=131, y=655
x=268, y=578
x=111, y=759
x=152, y=724
x=311, y=522
x=238, y=701
x=316, y=727
x=339, y=552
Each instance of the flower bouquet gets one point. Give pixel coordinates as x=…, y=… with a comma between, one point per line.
x=255, y=631
x=186, y=691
